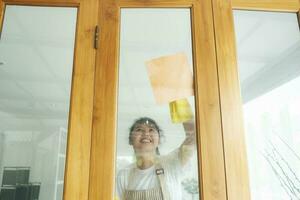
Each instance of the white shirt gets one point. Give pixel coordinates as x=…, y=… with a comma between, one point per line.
x=147, y=179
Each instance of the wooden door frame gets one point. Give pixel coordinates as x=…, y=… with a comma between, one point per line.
x=208, y=119
x=229, y=86
x=77, y=167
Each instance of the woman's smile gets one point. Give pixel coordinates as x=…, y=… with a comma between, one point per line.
x=145, y=138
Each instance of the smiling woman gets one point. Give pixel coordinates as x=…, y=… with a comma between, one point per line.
x=144, y=137
x=143, y=179
x=161, y=155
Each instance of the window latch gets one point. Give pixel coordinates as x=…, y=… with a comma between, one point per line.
x=96, y=37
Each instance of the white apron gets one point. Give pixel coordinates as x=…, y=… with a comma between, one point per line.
x=159, y=193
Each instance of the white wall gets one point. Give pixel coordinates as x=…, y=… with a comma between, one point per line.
x=40, y=156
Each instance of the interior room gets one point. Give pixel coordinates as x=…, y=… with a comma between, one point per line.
x=77, y=75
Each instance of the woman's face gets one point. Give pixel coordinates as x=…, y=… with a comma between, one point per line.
x=144, y=138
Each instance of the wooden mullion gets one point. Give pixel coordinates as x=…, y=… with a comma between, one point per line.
x=102, y=174
x=231, y=106
x=209, y=131
x=77, y=168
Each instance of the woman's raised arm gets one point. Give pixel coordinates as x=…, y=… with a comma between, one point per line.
x=188, y=147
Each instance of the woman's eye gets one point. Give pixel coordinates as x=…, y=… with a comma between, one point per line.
x=153, y=130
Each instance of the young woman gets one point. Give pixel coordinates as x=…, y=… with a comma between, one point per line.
x=152, y=176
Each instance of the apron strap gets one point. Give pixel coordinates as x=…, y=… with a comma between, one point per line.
x=159, y=170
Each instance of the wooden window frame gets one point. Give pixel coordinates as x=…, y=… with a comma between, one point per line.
x=90, y=168
x=77, y=167
x=267, y=5
x=229, y=86
x=209, y=130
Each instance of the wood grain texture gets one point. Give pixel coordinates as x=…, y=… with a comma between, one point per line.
x=268, y=5
x=209, y=132
x=44, y=2
x=82, y=93
x=155, y=3
x=102, y=174
x=210, y=145
x=80, y=120
x=231, y=106
x=2, y=10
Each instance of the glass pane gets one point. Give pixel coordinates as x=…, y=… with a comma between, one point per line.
x=156, y=151
x=36, y=56
x=268, y=58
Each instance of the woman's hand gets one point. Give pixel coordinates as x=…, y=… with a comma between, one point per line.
x=188, y=146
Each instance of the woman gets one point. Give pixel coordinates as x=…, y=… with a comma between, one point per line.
x=153, y=176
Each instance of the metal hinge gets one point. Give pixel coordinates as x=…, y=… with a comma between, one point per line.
x=96, y=37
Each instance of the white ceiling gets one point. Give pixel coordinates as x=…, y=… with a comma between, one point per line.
x=36, y=49
x=148, y=34
x=268, y=45
x=37, y=45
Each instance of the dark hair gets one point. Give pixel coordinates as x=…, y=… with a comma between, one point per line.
x=145, y=120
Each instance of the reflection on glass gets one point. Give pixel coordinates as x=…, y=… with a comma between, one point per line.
x=269, y=57
x=156, y=151
x=36, y=56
